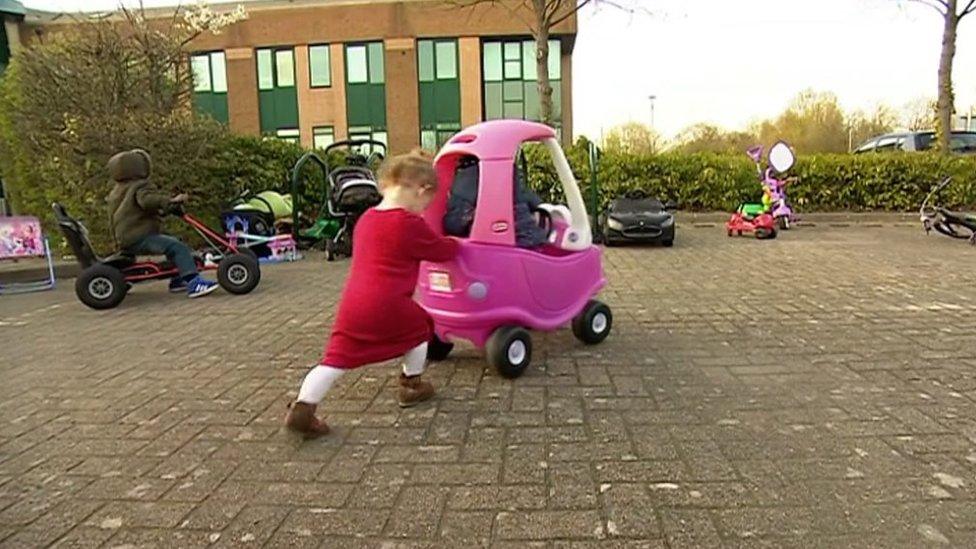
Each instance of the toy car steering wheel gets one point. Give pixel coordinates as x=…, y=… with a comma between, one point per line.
x=636, y=194
x=545, y=221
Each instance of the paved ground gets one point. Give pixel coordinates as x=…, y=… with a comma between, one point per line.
x=813, y=391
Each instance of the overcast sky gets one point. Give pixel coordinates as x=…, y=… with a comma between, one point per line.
x=732, y=62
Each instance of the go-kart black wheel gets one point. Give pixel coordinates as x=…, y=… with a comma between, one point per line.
x=101, y=287
x=509, y=350
x=438, y=350
x=763, y=233
x=238, y=273
x=593, y=325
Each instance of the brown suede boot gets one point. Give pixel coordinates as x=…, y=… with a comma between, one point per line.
x=301, y=419
x=413, y=391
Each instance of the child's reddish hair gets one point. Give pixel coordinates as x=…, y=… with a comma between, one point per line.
x=414, y=169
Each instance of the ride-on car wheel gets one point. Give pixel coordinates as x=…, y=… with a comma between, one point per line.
x=784, y=223
x=438, y=350
x=101, y=287
x=238, y=273
x=763, y=233
x=593, y=325
x=668, y=243
x=509, y=350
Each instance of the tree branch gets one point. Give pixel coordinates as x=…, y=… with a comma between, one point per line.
x=970, y=8
x=940, y=6
x=568, y=14
x=462, y=4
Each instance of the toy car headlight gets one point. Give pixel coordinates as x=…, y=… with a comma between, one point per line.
x=614, y=224
x=668, y=222
x=439, y=281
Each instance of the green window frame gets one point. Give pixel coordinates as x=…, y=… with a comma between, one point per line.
x=366, y=89
x=440, y=91
x=320, y=66
x=277, y=91
x=322, y=136
x=510, y=79
x=209, y=72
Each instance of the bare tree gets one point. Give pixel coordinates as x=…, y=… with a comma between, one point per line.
x=541, y=17
x=952, y=12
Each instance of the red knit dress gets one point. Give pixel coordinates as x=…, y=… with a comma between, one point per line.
x=378, y=319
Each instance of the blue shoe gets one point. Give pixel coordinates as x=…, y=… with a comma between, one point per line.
x=177, y=284
x=200, y=286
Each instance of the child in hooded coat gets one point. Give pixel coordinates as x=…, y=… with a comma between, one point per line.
x=136, y=207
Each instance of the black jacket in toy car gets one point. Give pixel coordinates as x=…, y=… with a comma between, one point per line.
x=637, y=218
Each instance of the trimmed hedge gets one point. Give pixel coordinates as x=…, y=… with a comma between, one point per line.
x=719, y=182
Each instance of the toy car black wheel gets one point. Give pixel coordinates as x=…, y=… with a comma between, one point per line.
x=509, y=350
x=101, y=287
x=330, y=251
x=765, y=234
x=784, y=222
x=593, y=325
x=438, y=350
x=238, y=273
x=668, y=243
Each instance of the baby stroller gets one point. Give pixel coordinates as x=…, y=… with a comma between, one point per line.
x=352, y=189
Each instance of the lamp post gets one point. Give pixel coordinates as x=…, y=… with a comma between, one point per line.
x=652, y=98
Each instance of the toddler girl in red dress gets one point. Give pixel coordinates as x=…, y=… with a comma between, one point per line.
x=378, y=319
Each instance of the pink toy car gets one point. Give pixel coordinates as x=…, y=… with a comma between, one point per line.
x=494, y=291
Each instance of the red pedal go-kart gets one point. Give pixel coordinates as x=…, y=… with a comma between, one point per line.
x=105, y=281
x=762, y=225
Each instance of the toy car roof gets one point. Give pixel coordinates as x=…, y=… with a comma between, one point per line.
x=495, y=139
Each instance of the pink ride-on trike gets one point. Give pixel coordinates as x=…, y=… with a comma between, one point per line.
x=494, y=291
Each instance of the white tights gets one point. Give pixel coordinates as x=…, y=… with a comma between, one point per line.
x=320, y=379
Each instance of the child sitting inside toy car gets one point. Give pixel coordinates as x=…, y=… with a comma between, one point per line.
x=135, y=206
x=464, y=195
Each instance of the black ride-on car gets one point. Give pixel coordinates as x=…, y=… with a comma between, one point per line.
x=637, y=218
x=104, y=281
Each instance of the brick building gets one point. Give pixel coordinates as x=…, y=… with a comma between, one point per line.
x=407, y=72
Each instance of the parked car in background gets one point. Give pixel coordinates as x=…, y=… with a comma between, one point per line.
x=960, y=142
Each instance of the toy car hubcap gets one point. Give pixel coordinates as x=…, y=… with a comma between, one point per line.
x=237, y=274
x=100, y=288
x=599, y=323
x=516, y=352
